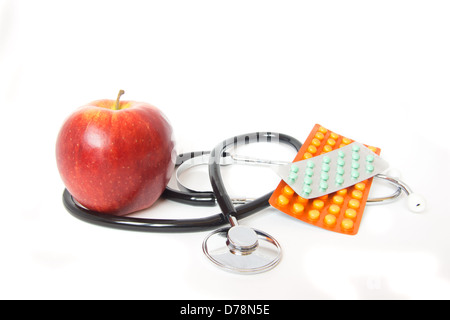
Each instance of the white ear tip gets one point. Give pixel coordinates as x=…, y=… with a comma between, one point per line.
x=416, y=203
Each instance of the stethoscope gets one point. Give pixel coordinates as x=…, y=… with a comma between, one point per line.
x=235, y=248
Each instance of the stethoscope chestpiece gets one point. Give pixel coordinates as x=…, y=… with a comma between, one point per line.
x=241, y=249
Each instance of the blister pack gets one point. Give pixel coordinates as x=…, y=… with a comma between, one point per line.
x=330, y=191
x=332, y=171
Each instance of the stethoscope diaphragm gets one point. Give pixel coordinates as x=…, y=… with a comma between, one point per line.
x=241, y=249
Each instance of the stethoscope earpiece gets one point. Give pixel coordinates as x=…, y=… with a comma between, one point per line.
x=416, y=203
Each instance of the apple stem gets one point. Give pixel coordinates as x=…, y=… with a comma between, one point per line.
x=116, y=106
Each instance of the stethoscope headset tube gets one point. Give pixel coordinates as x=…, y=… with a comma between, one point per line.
x=160, y=225
x=223, y=199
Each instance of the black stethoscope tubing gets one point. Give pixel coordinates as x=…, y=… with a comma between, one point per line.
x=222, y=197
x=219, y=195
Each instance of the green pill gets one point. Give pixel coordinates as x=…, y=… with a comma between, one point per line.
x=307, y=180
x=294, y=168
x=323, y=185
x=293, y=176
x=339, y=180
x=355, y=174
x=370, y=158
x=307, y=189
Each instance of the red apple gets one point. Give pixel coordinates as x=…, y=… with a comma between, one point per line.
x=115, y=157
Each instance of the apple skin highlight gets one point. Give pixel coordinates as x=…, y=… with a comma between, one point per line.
x=115, y=161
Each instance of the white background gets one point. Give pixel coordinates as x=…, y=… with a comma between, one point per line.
x=375, y=71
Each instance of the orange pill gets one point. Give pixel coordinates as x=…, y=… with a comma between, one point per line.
x=312, y=149
x=287, y=191
x=334, y=209
x=282, y=200
x=313, y=214
x=329, y=220
x=307, y=155
x=318, y=204
x=342, y=192
x=319, y=135
x=301, y=200
x=346, y=141
x=324, y=197
x=353, y=204
x=298, y=208
x=331, y=142
x=315, y=142
x=339, y=200
x=327, y=148
x=357, y=194
x=360, y=186
x=347, y=224
x=334, y=136
x=323, y=130
x=350, y=213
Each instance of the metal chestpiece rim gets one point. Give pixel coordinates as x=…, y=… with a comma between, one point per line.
x=241, y=249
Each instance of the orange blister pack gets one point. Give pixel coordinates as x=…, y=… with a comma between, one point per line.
x=339, y=211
